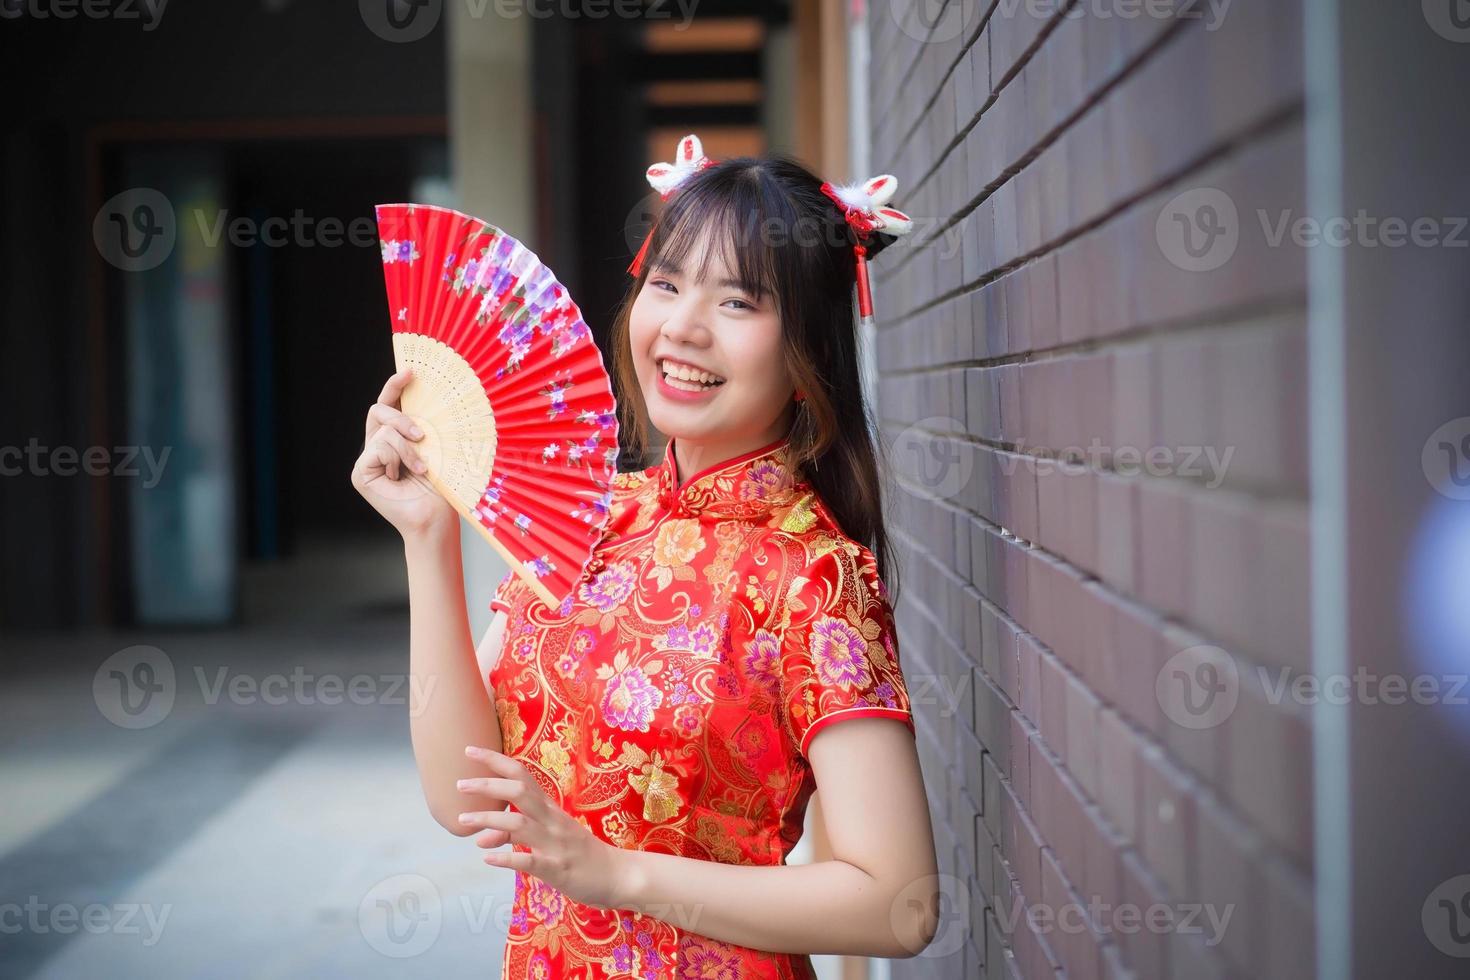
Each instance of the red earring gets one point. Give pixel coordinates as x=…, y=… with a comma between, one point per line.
x=799, y=397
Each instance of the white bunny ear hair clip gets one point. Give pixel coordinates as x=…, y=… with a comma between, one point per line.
x=864, y=205
x=666, y=178
x=689, y=159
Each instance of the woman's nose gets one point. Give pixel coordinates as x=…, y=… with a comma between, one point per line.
x=684, y=325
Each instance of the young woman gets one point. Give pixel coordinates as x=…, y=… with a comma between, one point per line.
x=648, y=748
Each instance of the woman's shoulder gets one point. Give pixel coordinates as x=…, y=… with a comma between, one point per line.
x=806, y=530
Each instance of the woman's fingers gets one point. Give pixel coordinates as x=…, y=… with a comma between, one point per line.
x=394, y=452
x=492, y=838
x=393, y=387
x=380, y=414
x=386, y=411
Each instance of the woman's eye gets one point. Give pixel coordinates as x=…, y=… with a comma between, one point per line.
x=743, y=304
x=658, y=283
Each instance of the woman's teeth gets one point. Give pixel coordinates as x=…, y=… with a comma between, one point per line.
x=687, y=379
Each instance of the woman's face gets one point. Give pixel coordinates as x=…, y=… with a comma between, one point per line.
x=714, y=325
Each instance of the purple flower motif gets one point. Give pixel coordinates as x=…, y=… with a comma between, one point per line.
x=545, y=902
x=645, y=940
x=610, y=587
x=703, y=639
x=764, y=479
x=623, y=953
x=886, y=694
x=840, y=654
x=629, y=701
x=694, y=610
x=763, y=659
x=677, y=637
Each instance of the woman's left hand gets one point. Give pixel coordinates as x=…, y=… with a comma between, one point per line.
x=564, y=853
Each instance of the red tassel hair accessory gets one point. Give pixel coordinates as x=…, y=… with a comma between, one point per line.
x=864, y=207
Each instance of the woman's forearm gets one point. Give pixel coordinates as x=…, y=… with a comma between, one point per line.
x=826, y=907
x=450, y=706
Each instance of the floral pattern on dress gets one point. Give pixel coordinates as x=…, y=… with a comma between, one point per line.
x=669, y=703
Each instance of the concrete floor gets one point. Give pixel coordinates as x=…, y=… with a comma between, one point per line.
x=217, y=834
x=233, y=837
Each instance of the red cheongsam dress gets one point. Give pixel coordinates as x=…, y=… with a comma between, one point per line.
x=668, y=703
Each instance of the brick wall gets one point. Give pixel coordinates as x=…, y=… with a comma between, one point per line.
x=1042, y=304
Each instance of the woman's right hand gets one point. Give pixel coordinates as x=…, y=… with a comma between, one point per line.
x=384, y=473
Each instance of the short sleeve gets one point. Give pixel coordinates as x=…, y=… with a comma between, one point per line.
x=839, y=647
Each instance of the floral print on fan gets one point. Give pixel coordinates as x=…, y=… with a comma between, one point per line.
x=396, y=251
x=669, y=702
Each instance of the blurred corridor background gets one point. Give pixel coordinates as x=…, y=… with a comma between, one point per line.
x=1171, y=375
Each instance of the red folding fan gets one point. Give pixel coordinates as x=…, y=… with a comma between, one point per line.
x=520, y=424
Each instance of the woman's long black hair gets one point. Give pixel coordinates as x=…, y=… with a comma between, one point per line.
x=789, y=241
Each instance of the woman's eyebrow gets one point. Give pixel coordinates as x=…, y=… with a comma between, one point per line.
x=672, y=269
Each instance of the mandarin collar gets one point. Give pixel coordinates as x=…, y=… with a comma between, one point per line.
x=749, y=485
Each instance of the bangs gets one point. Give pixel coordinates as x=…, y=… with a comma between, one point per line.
x=727, y=220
